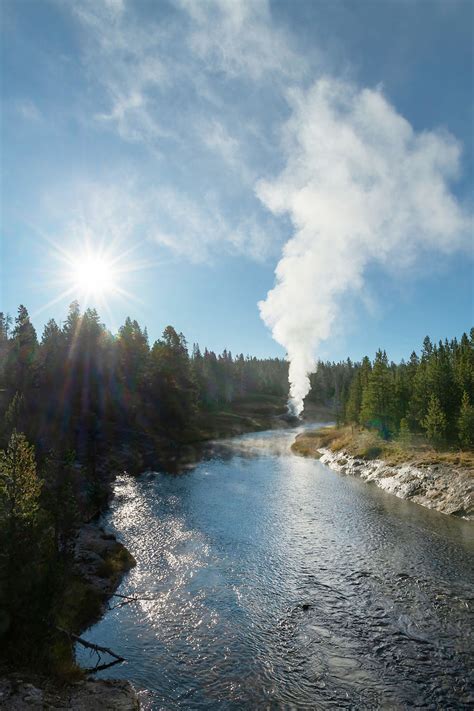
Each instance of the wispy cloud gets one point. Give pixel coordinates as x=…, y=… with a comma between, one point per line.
x=199, y=230
x=156, y=82
x=241, y=39
x=114, y=217
x=125, y=58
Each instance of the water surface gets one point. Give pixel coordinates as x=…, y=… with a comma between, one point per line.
x=278, y=583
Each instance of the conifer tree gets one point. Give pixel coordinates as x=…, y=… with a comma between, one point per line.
x=435, y=423
x=404, y=434
x=22, y=354
x=466, y=422
x=20, y=487
x=377, y=398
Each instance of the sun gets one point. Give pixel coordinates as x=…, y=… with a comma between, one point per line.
x=94, y=275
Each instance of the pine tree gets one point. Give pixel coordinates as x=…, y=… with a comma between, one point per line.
x=354, y=400
x=466, y=422
x=22, y=355
x=15, y=415
x=20, y=487
x=378, y=397
x=435, y=423
x=5, y=322
x=404, y=434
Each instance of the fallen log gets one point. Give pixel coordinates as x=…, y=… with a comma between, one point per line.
x=97, y=648
x=127, y=599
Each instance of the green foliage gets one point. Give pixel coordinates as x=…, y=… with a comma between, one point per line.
x=377, y=409
x=20, y=487
x=404, y=434
x=170, y=379
x=466, y=422
x=222, y=379
x=435, y=422
x=15, y=416
x=430, y=394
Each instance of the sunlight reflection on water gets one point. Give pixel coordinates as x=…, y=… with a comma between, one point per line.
x=277, y=583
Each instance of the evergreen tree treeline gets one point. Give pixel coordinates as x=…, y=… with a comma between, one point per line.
x=431, y=394
x=80, y=383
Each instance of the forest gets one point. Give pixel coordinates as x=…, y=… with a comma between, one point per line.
x=432, y=394
x=76, y=401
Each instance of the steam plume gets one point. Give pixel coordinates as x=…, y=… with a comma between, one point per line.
x=361, y=187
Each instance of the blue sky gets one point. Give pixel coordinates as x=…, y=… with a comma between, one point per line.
x=182, y=135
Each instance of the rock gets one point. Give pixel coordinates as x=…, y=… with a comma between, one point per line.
x=449, y=490
x=90, y=695
x=99, y=558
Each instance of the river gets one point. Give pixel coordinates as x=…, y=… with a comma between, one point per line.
x=278, y=583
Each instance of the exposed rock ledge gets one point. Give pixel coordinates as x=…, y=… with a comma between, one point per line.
x=92, y=695
x=449, y=490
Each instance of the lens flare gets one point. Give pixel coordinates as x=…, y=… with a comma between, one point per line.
x=94, y=276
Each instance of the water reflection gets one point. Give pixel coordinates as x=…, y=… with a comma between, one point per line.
x=277, y=583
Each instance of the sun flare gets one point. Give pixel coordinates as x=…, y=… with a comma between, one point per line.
x=94, y=276
x=94, y=273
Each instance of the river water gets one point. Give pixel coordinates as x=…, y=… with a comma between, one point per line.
x=278, y=583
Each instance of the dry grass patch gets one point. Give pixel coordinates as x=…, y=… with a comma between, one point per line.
x=365, y=444
x=307, y=443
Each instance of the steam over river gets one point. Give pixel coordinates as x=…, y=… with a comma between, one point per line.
x=278, y=583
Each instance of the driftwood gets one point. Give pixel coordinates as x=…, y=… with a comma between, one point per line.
x=97, y=648
x=127, y=599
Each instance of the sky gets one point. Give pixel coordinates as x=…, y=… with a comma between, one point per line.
x=269, y=177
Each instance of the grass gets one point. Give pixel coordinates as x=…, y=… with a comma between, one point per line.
x=365, y=444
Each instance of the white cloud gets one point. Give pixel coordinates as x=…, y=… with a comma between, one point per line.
x=361, y=187
x=118, y=217
x=157, y=84
x=241, y=39
x=232, y=151
x=198, y=230
x=125, y=57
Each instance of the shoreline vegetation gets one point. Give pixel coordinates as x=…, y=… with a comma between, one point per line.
x=412, y=469
x=81, y=405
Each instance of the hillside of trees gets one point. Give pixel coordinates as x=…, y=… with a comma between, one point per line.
x=80, y=385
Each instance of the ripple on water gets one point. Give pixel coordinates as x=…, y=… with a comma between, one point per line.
x=277, y=583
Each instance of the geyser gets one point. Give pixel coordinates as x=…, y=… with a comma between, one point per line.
x=361, y=187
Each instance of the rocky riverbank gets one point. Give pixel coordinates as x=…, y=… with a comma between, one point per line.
x=439, y=481
x=19, y=694
x=99, y=562
x=437, y=486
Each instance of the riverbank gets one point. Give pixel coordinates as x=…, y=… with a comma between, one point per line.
x=19, y=694
x=98, y=563
x=443, y=481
